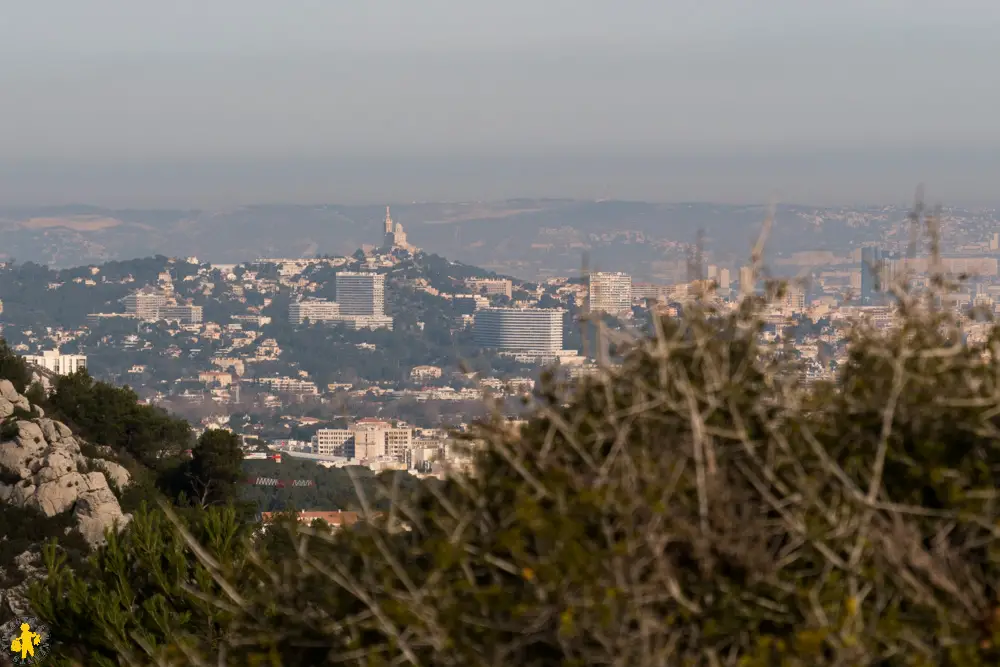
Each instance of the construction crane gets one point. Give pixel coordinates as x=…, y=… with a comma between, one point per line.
x=279, y=483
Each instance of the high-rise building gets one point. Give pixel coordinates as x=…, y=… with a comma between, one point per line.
x=361, y=293
x=795, y=298
x=62, y=364
x=610, y=293
x=314, y=310
x=145, y=303
x=871, y=274
x=534, y=329
x=724, y=279
x=747, y=283
x=361, y=299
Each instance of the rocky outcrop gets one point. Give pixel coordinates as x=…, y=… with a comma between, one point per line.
x=97, y=509
x=8, y=392
x=116, y=474
x=44, y=469
x=11, y=400
x=28, y=568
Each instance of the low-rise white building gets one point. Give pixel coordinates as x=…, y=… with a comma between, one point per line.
x=63, y=364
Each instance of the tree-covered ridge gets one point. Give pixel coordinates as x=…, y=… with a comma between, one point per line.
x=333, y=488
x=428, y=328
x=28, y=299
x=696, y=506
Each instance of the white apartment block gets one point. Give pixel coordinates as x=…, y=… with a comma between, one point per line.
x=287, y=385
x=151, y=305
x=361, y=293
x=725, y=279
x=652, y=291
x=63, y=364
x=145, y=304
x=748, y=283
x=314, y=310
x=331, y=441
x=365, y=439
x=359, y=322
x=610, y=293
x=491, y=286
x=535, y=329
x=180, y=314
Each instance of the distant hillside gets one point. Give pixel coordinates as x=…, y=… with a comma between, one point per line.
x=528, y=238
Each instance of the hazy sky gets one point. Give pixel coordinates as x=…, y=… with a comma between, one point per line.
x=217, y=102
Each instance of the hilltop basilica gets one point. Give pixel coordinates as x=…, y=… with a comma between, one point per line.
x=394, y=237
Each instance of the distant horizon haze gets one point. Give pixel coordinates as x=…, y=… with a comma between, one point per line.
x=234, y=102
x=828, y=178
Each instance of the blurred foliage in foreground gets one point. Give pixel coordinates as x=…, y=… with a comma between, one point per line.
x=695, y=506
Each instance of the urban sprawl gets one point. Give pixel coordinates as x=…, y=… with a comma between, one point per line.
x=243, y=370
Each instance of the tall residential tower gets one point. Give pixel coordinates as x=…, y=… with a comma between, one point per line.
x=361, y=299
x=610, y=293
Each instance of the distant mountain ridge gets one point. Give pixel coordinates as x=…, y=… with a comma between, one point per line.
x=526, y=237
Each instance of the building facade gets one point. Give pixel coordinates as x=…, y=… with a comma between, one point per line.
x=314, y=310
x=151, y=305
x=748, y=284
x=610, y=293
x=182, y=314
x=145, y=304
x=366, y=439
x=491, y=286
x=361, y=294
x=794, y=300
x=63, y=364
x=535, y=329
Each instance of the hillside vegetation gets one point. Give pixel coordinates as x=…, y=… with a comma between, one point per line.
x=87, y=455
x=696, y=506
x=333, y=488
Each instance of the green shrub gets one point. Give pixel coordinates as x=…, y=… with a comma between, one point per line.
x=695, y=506
x=13, y=368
